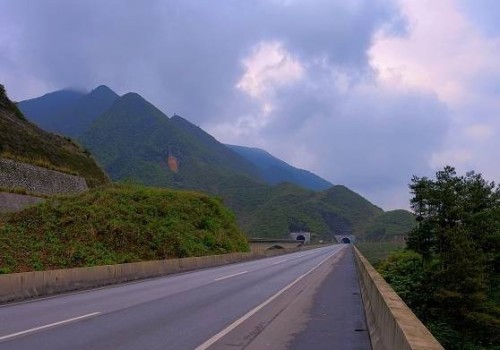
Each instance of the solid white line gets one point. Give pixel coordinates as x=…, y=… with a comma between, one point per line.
x=245, y=317
x=47, y=326
x=229, y=276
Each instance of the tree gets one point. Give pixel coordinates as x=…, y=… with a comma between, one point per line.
x=458, y=238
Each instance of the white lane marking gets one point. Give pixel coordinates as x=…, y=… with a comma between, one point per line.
x=249, y=314
x=8, y=336
x=229, y=276
x=279, y=262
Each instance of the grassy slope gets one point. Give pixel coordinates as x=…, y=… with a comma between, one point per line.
x=115, y=225
x=24, y=141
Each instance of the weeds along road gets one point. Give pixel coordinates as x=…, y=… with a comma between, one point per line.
x=270, y=301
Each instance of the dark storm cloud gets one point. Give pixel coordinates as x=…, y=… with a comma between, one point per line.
x=184, y=55
x=187, y=57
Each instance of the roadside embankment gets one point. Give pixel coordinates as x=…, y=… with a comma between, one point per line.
x=391, y=323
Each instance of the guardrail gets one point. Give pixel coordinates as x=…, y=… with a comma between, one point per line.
x=391, y=323
x=24, y=285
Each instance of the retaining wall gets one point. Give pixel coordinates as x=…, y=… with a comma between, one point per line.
x=38, y=180
x=391, y=323
x=10, y=202
x=37, y=283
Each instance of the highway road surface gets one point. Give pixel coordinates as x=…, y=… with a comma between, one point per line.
x=305, y=300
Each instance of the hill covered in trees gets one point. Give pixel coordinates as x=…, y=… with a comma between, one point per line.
x=136, y=142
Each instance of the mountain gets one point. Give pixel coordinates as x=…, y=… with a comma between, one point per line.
x=75, y=119
x=274, y=170
x=43, y=110
x=273, y=211
x=74, y=114
x=135, y=141
x=219, y=152
x=24, y=141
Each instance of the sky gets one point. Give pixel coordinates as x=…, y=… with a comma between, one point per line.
x=365, y=93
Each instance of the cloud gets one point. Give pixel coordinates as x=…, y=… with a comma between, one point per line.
x=451, y=50
x=268, y=66
x=366, y=93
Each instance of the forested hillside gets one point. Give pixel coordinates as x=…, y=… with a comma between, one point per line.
x=136, y=142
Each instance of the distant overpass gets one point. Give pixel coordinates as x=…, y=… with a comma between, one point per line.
x=260, y=245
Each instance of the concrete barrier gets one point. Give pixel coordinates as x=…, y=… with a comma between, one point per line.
x=391, y=323
x=23, y=285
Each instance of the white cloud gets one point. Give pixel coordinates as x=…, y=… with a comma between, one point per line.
x=445, y=51
x=479, y=132
x=268, y=67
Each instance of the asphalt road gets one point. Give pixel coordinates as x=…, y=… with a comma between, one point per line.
x=196, y=310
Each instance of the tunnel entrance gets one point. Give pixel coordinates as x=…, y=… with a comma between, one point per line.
x=301, y=238
x=346, y=240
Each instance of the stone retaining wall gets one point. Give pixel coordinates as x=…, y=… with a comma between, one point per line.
x=38, y=180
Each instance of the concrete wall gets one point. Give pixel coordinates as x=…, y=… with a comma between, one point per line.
x=391, y=323
x=38, y=180
x=16, y=286
x=10, y=202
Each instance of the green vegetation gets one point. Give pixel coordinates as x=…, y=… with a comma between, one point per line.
x=136, y=142
x=274, y=211
x=377, y=252
x=117, y=224
x=390, y=226
x=23, y=141
x=450, y=272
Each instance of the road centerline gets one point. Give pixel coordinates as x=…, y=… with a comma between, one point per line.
x=31, y=330
x=229, y=276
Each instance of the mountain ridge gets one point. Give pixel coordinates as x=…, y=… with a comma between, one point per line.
x=275, y=170
x=135, y=141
